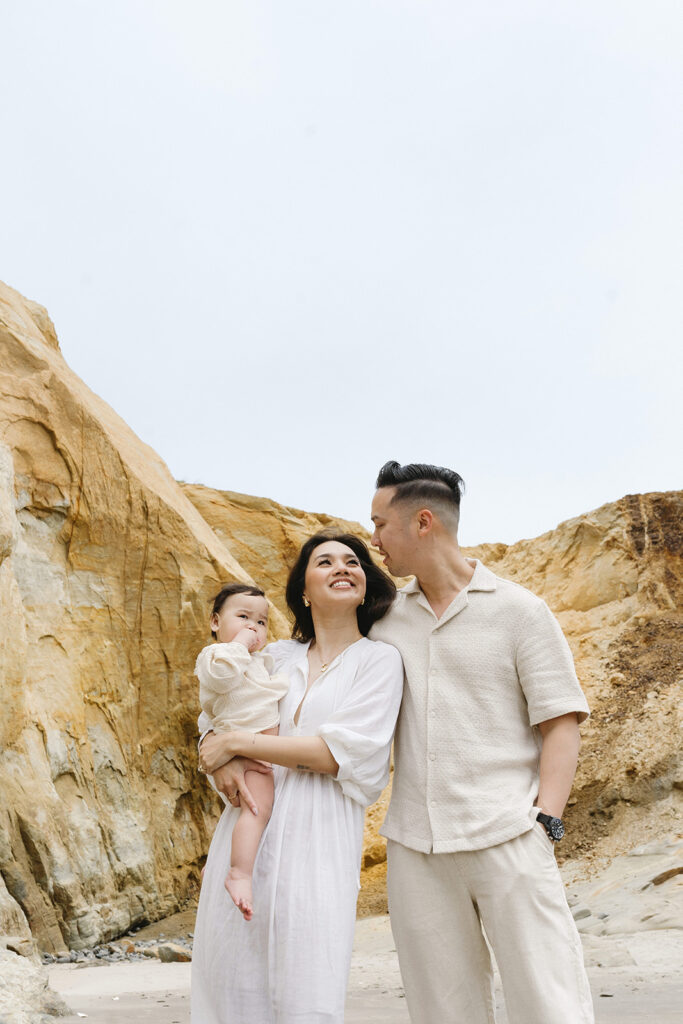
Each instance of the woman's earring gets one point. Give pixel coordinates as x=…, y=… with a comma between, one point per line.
x=363, y=601
x=307, y=603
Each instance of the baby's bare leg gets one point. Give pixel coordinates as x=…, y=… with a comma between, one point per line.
x=246, y=836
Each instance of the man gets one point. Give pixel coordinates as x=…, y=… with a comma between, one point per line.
x=485, y=751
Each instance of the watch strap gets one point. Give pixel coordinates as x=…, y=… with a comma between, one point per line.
x=552, y=825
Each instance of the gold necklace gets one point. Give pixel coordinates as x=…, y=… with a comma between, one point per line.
x=326, y=664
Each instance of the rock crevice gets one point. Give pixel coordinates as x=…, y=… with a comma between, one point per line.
x=107, y=565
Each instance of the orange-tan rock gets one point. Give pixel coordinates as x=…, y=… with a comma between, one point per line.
x=614, y=578
x=106, y=568
x=263, y=536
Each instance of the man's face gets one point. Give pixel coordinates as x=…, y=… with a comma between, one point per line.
x=393, y=536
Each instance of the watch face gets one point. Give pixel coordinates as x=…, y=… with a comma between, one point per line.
x=556, y=828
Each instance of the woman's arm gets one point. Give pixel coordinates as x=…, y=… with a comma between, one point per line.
x=303, y=753
x=228, y=778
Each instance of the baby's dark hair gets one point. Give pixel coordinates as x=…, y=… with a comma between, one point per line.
x=229, y=590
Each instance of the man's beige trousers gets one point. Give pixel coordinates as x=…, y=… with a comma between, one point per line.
x=438, y=904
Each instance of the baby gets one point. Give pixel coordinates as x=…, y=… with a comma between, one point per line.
x=238, y=691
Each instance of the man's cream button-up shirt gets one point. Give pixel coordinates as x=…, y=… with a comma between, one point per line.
x=477, y=682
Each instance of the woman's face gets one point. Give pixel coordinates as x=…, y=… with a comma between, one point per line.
x=334, y=578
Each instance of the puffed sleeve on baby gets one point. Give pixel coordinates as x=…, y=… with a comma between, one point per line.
x=360, y=731
x=220, y=666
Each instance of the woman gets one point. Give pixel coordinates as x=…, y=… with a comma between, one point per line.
x=290, y=963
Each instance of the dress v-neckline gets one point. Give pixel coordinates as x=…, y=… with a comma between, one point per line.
x=309, y=686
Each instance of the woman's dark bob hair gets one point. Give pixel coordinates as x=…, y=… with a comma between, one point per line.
x=379, y=593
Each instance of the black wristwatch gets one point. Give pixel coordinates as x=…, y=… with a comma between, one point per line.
x=553, y=826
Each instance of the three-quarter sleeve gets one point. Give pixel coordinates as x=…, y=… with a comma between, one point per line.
x=359, y=732
x=545, y=668
x=204, y=725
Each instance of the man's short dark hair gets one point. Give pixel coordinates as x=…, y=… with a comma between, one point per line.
x=422, y=484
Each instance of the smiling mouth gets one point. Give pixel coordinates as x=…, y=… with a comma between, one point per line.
x=342, y=585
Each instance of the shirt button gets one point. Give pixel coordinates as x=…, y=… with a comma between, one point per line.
x=432, y=757
x=432, y=803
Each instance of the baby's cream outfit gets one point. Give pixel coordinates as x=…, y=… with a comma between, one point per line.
x=239, y=690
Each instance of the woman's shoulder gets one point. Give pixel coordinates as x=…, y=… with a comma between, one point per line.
x=378, y=650
x=282, y=646
x=283, y=651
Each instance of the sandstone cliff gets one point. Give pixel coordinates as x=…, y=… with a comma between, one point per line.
x=106, y=568
x=264, y=537
x=614, y=578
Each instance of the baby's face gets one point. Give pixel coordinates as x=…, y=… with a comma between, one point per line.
x=242, y=612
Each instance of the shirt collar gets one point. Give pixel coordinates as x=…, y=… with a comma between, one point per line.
x=482, y=579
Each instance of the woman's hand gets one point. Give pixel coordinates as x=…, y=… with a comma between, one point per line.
x=217, y=749
x=229, y=779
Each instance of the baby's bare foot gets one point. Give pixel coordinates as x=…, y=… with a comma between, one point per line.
x=238, y=884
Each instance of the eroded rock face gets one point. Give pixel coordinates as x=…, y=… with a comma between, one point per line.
x=25, y=997
x=106, y=570
x=614, y=578
x=263, y=536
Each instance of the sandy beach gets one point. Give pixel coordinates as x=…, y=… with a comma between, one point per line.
x=641, y=992
x=633, y=974
x=628, y=909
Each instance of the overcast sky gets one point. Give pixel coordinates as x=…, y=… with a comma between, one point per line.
x=290, y=240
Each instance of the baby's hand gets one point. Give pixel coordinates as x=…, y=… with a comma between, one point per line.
x=248, y=637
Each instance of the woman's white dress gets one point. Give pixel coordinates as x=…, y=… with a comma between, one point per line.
x=290, y=963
